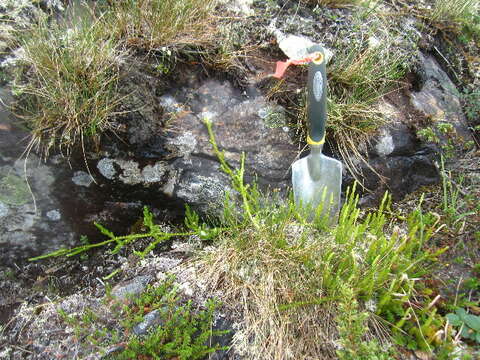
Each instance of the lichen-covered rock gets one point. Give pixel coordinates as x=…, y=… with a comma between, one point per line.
x=179, y=158
x=29, y=211
x=61, y=327
x=399, y=160
x=81, y=178
x=222, y=323
x=242, y=7
x=129, y=171
x=13, y=189
x=438, y=98
x=46, y=332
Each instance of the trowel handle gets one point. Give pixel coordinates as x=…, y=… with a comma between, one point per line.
x=317, y=97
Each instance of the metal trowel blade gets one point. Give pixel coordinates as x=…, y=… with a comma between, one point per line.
x=319, y=184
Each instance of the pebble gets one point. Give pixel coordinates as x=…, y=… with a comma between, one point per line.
x=153, y=318
x=132, y=287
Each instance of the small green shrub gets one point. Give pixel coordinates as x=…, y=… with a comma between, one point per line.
x=471, y=104
x=184, y=333
x=352, y=327
x=155, y=232
x=445, y=135
x=429, y=135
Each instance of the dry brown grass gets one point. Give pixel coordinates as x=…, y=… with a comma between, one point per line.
x=260, y=280
x=284, y=278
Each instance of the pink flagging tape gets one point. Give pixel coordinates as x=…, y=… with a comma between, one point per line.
x=283, y=65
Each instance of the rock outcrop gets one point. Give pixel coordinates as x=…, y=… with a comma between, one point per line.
x=178, y=160
x=398, y=159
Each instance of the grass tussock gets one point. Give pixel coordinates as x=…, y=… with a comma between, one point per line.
x=152, y=24
x=359, y=77
x=332, y=3
x=294, y=279
x=71, y=87
x=70, y=74
x=456, y=11
x=341, y=3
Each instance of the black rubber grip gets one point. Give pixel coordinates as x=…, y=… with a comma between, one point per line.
x=317, y=96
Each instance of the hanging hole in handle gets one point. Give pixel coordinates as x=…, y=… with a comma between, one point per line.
x=317, y=58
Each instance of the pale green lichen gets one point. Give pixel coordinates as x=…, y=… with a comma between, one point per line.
x=13, y=189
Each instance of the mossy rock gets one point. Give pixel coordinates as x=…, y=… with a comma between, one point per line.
x=13, y=189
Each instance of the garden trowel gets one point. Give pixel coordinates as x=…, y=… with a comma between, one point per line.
x=317, y=178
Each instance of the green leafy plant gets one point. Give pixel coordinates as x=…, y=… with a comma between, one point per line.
x=204, y=231
x=468, y=325
x=472, y=283
x=445, y=135
x=471, y=29
x=352, y=327
x=429, y=135
x=413, y=326
x=416, y=327
x=248, y=193
x=445, y=128
x=471, y=101
x=154, y=232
